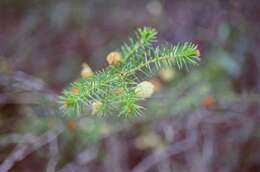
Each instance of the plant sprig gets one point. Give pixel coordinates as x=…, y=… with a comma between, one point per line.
x=117, y=88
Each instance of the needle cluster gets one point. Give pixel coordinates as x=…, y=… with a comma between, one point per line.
x=116, y=89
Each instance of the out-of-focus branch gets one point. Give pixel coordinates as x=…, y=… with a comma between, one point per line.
x=159, y=156
x=81, y=159
x=23, y=150
x=15, y=138
x=54, y=153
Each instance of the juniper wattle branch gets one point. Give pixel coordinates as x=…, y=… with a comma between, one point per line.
x=117, y=88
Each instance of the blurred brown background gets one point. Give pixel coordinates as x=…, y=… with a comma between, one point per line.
x=203, y=120
x=51, y=38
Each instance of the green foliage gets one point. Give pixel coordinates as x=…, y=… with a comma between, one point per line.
x=113, y=90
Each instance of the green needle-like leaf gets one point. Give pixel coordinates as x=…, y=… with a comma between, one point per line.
x=114, y=87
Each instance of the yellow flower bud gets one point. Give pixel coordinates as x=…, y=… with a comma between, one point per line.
x=114, y=58
x=148, y=140
x=75, y=90
x=167, y=74
x=157, y=84
x=96, y=106
x=198, y=53
x=117, y=91
x=66, y=104
x=71, y=125
x=86, y=71
x=144, y=89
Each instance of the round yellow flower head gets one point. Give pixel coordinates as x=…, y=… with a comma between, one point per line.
x=144, y=89
x=86, y=71
x=96, y=106
x=114, y=58
x=167, y=74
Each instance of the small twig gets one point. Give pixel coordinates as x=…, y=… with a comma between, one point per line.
x=82, y=158
x=23, y=150
x=156, y=157
x=54, y=151
x=15, y=138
